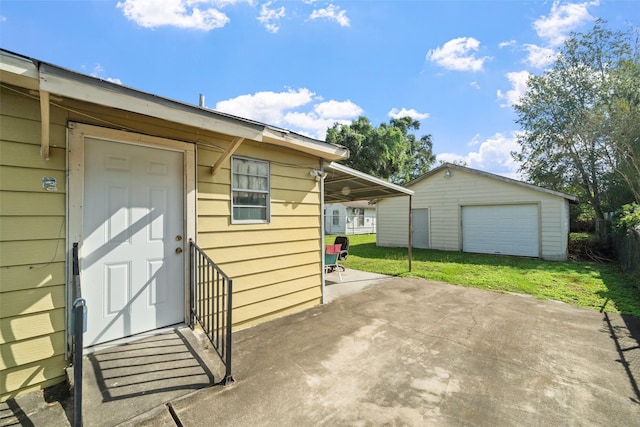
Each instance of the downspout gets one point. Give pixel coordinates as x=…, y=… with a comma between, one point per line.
x=410, y=248
x=322, y=219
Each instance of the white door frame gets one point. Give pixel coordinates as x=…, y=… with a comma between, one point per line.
x=76, y=134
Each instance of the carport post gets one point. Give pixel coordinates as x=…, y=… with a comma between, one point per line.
x=410, y=233
x=322, y=219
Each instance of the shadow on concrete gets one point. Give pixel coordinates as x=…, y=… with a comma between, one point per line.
x=625, y=333
x=12, y=414
x=154, y=365
x=143, y=375
x=37, y=409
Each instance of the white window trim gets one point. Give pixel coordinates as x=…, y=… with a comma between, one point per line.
x=268, y=193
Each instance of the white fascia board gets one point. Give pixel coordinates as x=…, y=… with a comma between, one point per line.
x=76, y=89
x=345, y=169
x=317, y=148
x=72, y=85
x=18, y=71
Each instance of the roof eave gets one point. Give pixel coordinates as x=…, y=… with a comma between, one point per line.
x=29, y=73
x=18, y=71
x=325, y=150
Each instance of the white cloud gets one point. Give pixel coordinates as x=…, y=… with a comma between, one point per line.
x=338, y=109
x=518, y=80
x=324, y=115
x=177, y=13
x=332, y=13
x=458, y=54
x=292, y=110
x=563, y=19
x=270, y=17
x=474, y=85
x=538, y=56
x=266, y=107
x=474, y=141
x=493, y=155
x=397, y=114
x=507, y=43
x=98, y=71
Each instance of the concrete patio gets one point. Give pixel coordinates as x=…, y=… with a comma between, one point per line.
x=396, y=352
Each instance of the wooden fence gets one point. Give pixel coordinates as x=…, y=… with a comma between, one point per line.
x=628, y=251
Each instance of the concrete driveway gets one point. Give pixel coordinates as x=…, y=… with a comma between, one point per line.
x=414, y=352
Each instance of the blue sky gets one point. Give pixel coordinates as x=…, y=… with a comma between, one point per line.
x=457, y=66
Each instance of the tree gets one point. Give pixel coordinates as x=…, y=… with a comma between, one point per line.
x=623, y=127
x=389, y=151
x=580, y=118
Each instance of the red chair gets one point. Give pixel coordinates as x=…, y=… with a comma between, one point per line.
x=331, y=254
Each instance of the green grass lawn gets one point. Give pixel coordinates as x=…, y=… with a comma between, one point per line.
x=583, y=284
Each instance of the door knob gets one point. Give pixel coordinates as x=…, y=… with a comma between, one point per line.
x=178, y=250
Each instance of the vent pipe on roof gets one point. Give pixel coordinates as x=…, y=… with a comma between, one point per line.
x=201, y=103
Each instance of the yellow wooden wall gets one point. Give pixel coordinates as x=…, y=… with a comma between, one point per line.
x=32, y=248
x=275, y=267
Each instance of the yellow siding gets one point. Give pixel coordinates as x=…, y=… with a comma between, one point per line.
x=32, y=244
x=28, y=156
x=247, y=297
x=31, y=276
x=31, y=350
x=23, y=179
x=26, y=326
x=32, y=376
x=276, y=307
x=276, y=267
x=32, y=228
x=230, y=254
x=33, y=300
x=258, y=280
x=31, y=204
x=30, y=252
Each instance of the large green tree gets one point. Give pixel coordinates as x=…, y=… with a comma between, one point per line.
x=390, y=151
x=580, y=120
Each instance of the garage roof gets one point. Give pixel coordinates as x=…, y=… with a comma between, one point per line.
x=570, y=197
x=343, y=184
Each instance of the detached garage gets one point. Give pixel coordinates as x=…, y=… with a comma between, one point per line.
x=462, y=209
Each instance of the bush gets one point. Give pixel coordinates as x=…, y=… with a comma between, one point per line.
x=588, y=247
x=628, y=219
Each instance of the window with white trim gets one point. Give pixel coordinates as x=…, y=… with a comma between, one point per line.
x=250, y=190
x=336, y=217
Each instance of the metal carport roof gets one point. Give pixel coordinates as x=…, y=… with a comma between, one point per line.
x=344, y=184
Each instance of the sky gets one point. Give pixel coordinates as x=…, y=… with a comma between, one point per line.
x=303, y=65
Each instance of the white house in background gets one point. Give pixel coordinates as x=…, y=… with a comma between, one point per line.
x=457, y=208
x=357, y=217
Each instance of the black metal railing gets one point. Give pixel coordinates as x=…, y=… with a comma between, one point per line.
x=211, y=291
x=78, y=323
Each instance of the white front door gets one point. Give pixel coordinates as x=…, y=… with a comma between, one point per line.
x=132, y=239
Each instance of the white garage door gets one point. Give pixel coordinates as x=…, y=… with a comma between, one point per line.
x=501, y=229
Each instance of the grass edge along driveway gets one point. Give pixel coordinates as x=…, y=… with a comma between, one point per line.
x=591, y=285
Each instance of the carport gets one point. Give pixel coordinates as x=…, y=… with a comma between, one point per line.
x=341, y=184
